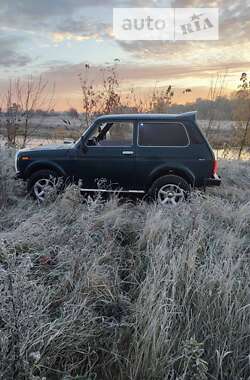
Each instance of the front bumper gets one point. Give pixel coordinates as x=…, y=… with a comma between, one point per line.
x=214, y=181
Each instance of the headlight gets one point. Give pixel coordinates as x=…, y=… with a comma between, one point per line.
x=16, y=161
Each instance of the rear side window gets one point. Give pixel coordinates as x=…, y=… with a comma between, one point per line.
x=162, y=134
x=195, y=134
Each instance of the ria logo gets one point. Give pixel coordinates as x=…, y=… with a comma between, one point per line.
x=197, y=24
x=166, y=24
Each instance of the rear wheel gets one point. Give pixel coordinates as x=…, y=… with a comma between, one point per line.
x=170, y=190
x=43, y=184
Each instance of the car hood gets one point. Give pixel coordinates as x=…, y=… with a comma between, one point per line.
x=48, y=147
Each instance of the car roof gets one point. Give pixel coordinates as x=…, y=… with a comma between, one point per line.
x=149, y=116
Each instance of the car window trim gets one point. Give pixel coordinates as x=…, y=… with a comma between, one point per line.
x=111, y=146
x=163, y=146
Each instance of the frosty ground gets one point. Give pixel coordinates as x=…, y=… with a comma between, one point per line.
x=115, y=289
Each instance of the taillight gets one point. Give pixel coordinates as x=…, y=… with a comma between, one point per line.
x=215, y=167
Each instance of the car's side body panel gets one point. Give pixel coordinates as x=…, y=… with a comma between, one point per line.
x=128, y=167
x=111, y=167
x=57, y=160
x=108, y=167
x=193, y=161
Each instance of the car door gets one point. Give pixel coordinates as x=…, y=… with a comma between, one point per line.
x=161, y=146
x=109, y=160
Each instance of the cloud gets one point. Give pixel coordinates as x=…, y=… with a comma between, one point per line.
x=81, y=30
x=66, y=20
x=234, y=37
x=141, y=77
x=187, y=52
x=60, y=19
x=30, y=14
x=60, y=37
x=32, y=11
x=67, y=76
x=36, y=15
x=9, y=54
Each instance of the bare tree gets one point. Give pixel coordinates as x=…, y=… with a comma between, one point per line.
x=242, y=113
x=99, y=99
x=32, y=95
x=73, y=113
x=23, y=98
x=161, y=99
x=216, y=91
x=12, y=116
x=111, y=97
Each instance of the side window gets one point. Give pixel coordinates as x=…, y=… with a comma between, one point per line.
x=162, y=134
x=112, y=134
x=195, y=134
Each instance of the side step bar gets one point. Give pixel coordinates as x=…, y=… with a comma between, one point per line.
x=113, y=191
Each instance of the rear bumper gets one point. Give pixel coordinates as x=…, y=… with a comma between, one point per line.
x=213, y=181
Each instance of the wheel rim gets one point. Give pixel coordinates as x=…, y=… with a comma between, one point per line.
x=171, y=194
x=43, y=187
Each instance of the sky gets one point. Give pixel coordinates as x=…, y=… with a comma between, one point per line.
x=56, y=38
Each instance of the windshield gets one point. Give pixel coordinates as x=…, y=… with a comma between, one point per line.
x=84, y=134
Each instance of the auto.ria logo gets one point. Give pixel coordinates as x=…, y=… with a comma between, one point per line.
x=197, y=24
x=167, y=24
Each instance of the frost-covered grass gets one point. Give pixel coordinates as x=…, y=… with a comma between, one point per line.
x=118, y=290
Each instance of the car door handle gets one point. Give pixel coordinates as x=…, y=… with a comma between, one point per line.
x=127, y=152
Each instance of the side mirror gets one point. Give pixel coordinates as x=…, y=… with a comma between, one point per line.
x=68, y=141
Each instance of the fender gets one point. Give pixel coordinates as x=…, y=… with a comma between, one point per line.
x=43, y=164
x=180, y=170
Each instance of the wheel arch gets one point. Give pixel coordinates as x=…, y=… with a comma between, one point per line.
x=43, y=165
x=185, y=173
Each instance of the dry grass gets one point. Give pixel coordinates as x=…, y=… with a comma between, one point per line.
x=115, y=290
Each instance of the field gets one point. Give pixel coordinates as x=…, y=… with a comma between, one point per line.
x=118, y=289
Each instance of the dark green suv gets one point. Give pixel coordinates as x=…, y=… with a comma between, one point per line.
x=162, y=155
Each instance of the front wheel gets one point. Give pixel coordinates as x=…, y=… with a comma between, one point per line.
x=170, y=190
x=42, y=184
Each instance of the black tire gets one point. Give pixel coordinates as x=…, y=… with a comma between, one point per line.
x=171, y=184
x=40, y=175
